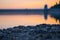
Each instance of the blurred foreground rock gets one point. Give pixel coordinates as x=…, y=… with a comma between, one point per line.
x=38, y=32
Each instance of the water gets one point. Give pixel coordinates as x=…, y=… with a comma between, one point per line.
x=7, y=21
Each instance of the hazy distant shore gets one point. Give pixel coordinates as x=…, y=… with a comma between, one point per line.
x=38, y=32
x=20, y=11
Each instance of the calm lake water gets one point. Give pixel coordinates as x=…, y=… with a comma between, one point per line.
x=7, y=21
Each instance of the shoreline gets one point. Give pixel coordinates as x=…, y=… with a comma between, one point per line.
x=38, y=32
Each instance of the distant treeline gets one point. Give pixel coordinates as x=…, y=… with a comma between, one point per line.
x=55, y=6
x=21, y=11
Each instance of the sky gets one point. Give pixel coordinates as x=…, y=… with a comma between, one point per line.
x=26, y=4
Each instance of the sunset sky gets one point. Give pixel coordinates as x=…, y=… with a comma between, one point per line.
x=23, y=4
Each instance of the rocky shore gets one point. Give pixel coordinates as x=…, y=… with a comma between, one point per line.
x=38, y=32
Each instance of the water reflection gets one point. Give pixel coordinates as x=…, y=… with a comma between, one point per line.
x=55, y=13
x=7, y=21
x=45, y=12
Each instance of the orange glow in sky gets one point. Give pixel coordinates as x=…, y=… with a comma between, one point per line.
x=23, y=4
